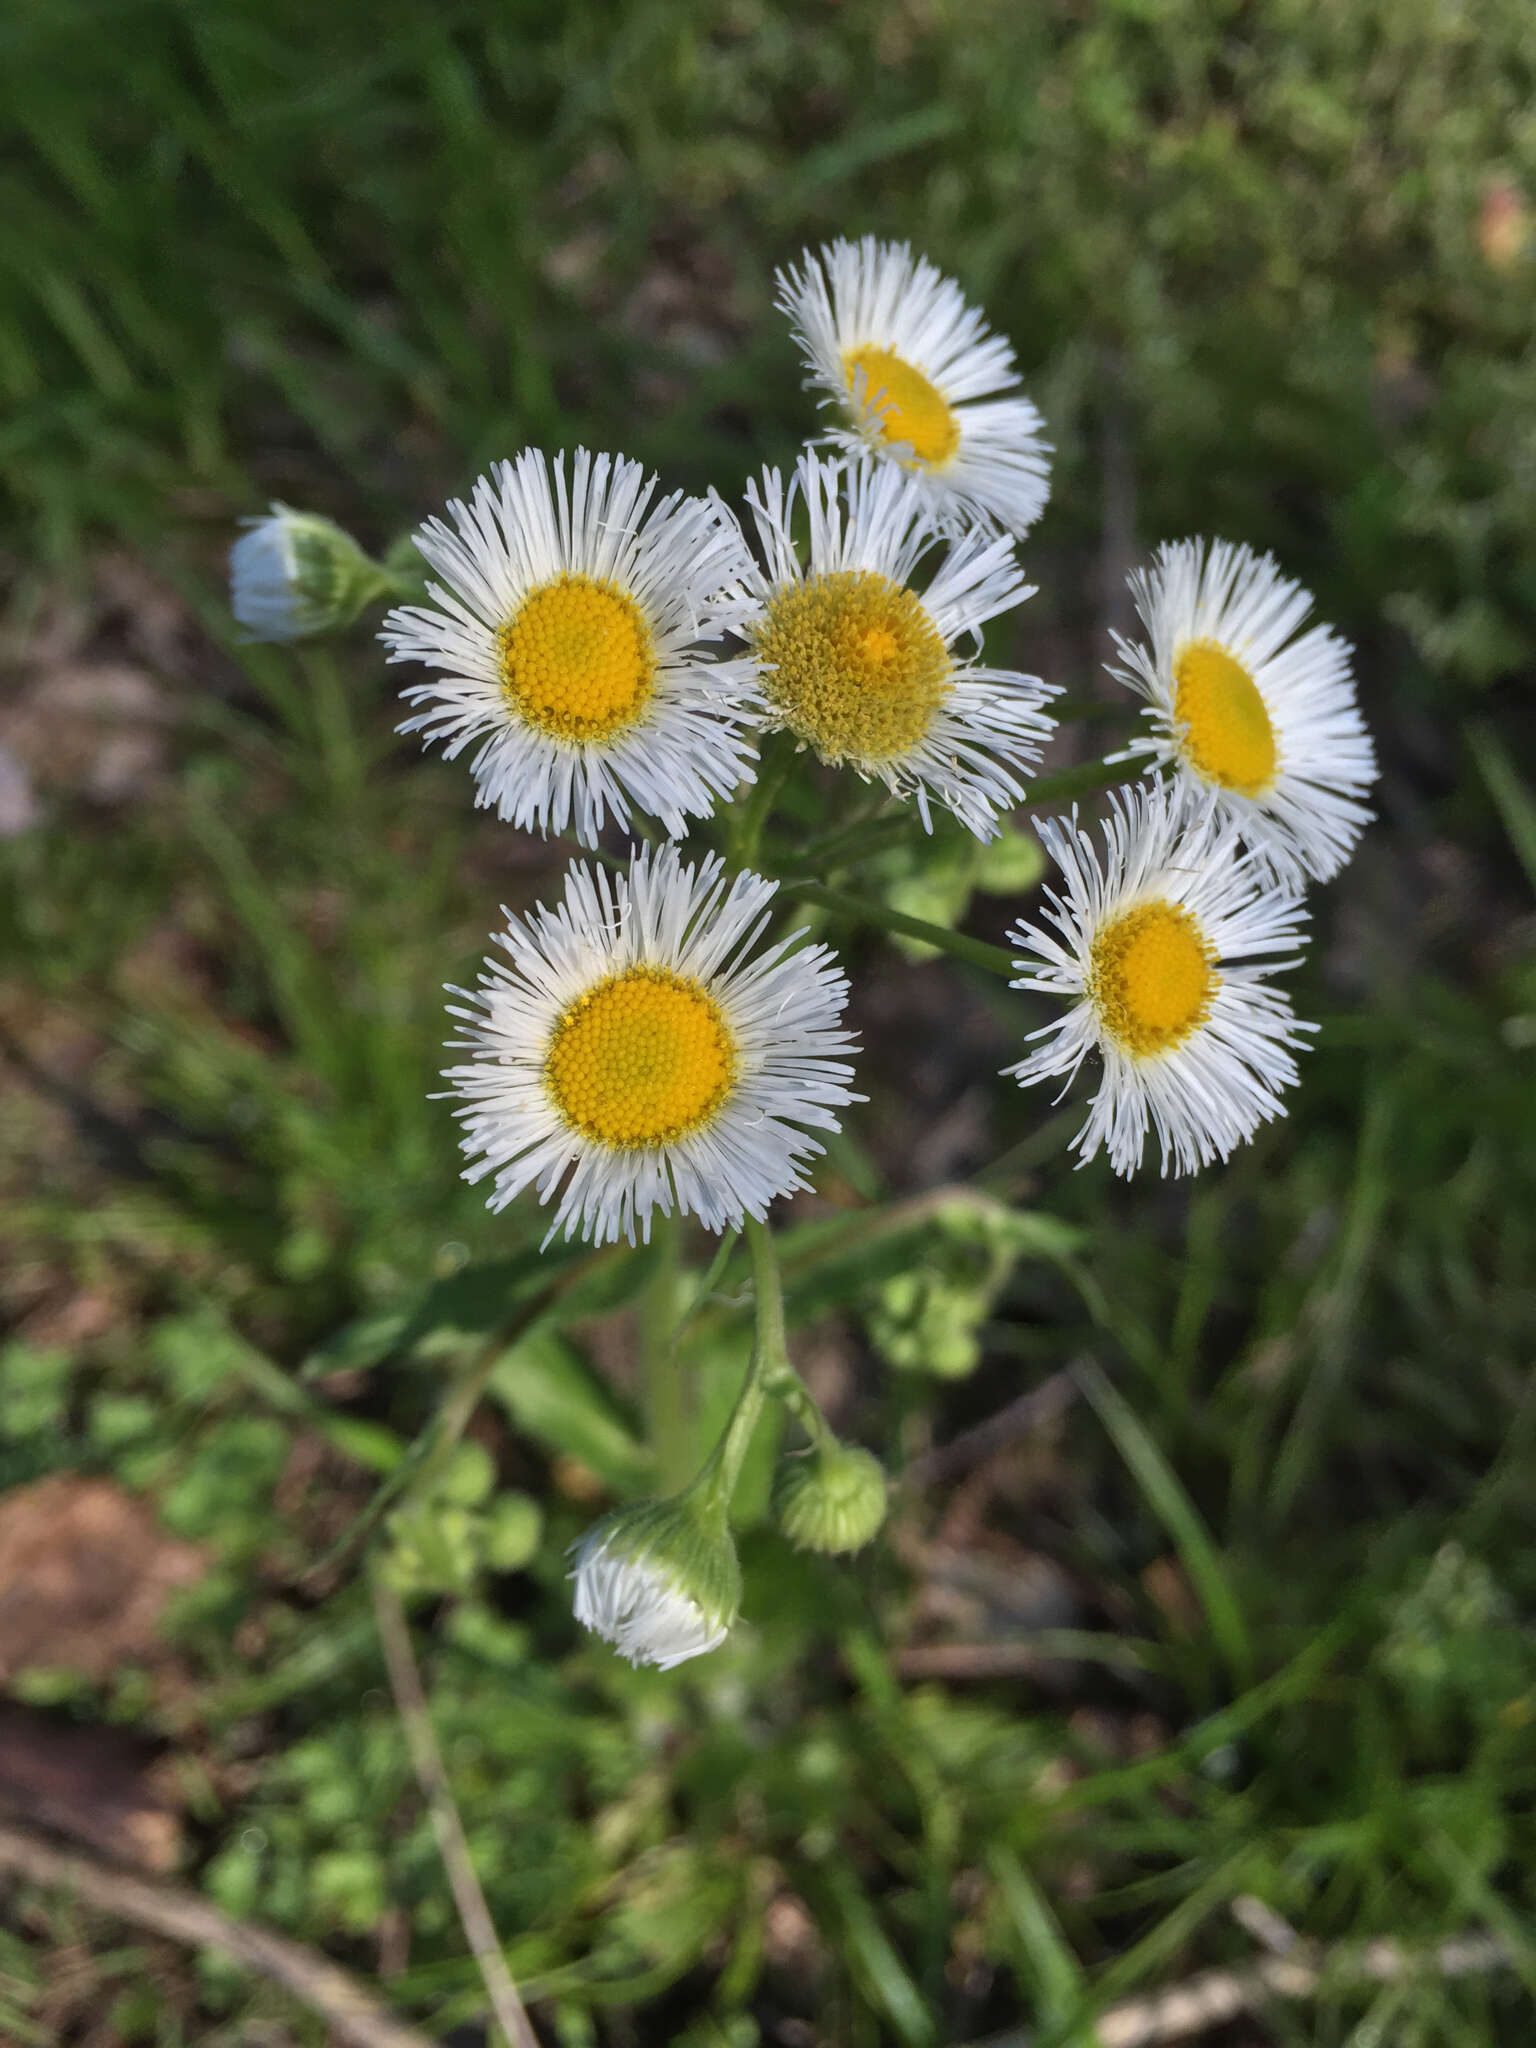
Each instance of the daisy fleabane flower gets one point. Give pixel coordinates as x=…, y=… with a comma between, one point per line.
x=295, y=574
x=1162, y=945
x=1263, y=723
x=660, y=1581
x=569, y=633
x=635, y=1053
x=857, y=664
x=919, y=379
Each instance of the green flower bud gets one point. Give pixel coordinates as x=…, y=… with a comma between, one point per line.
x=831, y=1500
x=660, y=1581
x=293, y=575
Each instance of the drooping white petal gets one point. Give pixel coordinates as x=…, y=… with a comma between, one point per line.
x=636, y=1604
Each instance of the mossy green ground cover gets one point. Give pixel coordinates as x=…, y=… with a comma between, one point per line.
x=1268, y=275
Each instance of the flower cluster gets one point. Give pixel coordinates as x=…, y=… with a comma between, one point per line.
x=603, y=655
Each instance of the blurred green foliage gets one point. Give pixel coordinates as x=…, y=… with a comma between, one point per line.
x=1285, y=251
x=1273, y=267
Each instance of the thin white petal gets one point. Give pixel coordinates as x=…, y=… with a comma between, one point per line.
x=1208, y=1094
x=782, y=1005
x=850, y=294
x=524, y=525
x=978, y=751
x=1308, y=821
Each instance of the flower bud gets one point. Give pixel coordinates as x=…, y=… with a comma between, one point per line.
x=659, y=1581
x=831, y=1500
x=294, y=574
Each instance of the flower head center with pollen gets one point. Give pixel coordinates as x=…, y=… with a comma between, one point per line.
x=908, y=408
x=1224, y=725
x=642, y=1058
x=853, y=664
x=1151, y=977
x=576, y=659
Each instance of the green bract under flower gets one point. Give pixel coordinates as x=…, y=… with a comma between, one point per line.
x=831, y=1500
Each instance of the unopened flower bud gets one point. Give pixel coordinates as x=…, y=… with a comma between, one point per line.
x=831, y=1500
x=659, y=1581
x=294, y=574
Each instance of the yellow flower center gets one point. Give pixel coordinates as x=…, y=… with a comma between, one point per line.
x=641, y=1059
x=853, y=664
x=908, y=407
x=1225, y=730
x=576, y=659
x=1151, y=977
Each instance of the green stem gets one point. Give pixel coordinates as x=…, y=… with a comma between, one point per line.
x=858, y=910
x=779, y=1377
x=773, y=768
x=709, y=1284
x=843, y=849
x=770, y=1363
x=788, y=1387
x=1086, y=779
x=661, y=1376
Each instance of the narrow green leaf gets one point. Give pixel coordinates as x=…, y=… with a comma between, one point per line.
x=1178, y=1515
x=870, y=1952
x=1516, y=806
x=552, y=1394
x=1049, y=1966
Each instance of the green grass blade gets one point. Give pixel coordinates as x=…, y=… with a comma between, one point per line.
x=1178, y=1515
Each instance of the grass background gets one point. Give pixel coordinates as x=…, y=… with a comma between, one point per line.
x=1269, y=272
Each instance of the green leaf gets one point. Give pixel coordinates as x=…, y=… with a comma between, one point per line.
x=1050, y=1967
x=870, y=1952
x=1516, y=806
x=1178, y=1515
x=552, y=1394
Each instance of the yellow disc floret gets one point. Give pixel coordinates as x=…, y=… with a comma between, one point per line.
x=576, y=659
x=1225, y=729
x=1151, y=977
x=642, y=1058
x=909, y=409
x=852, y=664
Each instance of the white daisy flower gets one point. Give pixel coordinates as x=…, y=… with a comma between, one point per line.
x=567, y=645
x=659, y=1581
x=1153, y=943
x=634, y=1054
x=863, y=668
x=1262, y=722
x=919, y=379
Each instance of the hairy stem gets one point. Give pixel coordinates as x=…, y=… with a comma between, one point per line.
x=859, y=910
x=661, y=1375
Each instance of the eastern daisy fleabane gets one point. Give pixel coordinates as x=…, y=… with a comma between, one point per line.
x=855, y=662
x=570, y=634
x=1161, y=943
x=633, y=1052
x=660, y=1581
x=919, y=379
x=295, y=574
x=1262, y=722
